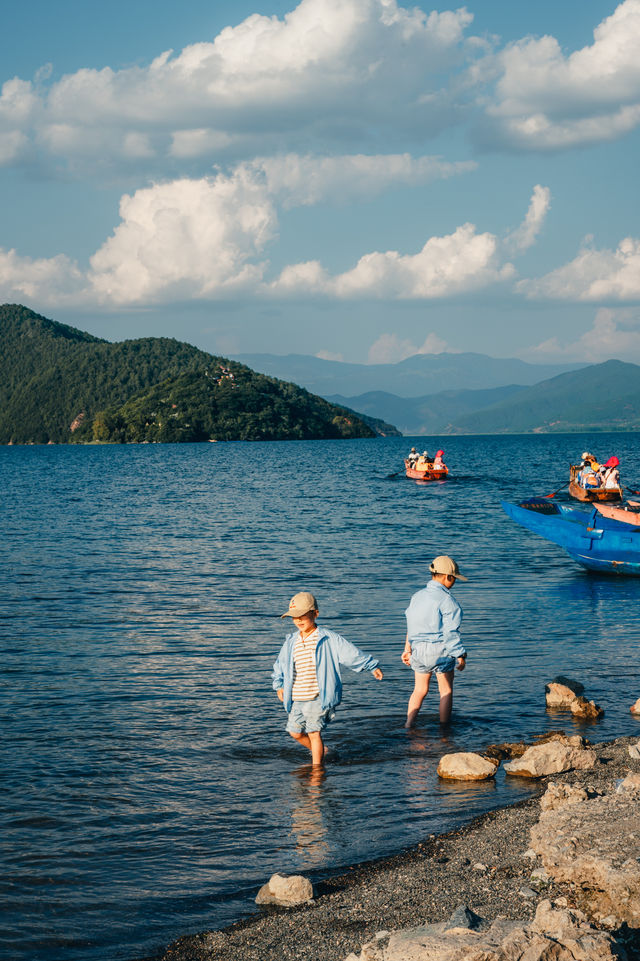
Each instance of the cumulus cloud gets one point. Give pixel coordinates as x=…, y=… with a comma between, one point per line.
x=545, y=100
x=391, y=349
x=28, y=279
x=457, y=263
x=593, y=276
x=615, y=334
x=329, y=72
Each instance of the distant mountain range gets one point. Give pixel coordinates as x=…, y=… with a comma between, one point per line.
x=61, y=385
x=530, y=399
x=417, y=376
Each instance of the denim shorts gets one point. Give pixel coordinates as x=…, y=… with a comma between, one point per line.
x=427, y=658
x=308, y=716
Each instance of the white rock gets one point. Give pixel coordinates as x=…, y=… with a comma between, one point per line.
x=552, y=757
x=465, y=766
x=285, y=891
x=635, y=708
x=561, y=691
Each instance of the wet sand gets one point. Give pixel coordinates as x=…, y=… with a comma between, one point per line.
x=481, y=865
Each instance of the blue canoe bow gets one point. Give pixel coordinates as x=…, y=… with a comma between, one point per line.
x=597, y=542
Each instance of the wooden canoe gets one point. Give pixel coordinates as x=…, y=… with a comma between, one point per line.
x=619, y=514
x=425, y=475
x=598, y=494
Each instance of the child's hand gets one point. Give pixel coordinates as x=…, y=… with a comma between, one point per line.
x=461, y=663
x=377, y=673
x=406, y=658
x=280, y=693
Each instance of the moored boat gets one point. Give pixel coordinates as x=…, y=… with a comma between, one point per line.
x=599, y=494
x=595, y=541
x=426, y=474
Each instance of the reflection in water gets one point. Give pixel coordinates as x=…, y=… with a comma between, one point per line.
x=307, y=822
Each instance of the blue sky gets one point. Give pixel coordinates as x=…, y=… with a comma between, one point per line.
x=355, y=179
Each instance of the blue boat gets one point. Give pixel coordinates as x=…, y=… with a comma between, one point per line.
x=598, y=543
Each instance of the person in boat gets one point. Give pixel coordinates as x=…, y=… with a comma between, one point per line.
x=589, y=478
x=306, y=674
x=433, y=643
x=438, y=463
x=610, y=475
x=413, y=457
x=423, y=462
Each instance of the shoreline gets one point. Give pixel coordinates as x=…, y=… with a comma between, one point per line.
x=481, y=864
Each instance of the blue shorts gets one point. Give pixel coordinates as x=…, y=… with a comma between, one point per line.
x=308, y=716
x=427, y=658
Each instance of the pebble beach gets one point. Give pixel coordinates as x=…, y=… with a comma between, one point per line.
x=485, y=865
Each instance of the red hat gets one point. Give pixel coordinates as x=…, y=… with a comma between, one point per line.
x=439, y=453
x=612, y=462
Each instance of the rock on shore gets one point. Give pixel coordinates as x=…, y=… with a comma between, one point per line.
x=504, y=867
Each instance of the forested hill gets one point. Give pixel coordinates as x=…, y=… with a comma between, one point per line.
x=62, y=385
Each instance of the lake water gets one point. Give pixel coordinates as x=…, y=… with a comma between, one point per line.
x=149, y=787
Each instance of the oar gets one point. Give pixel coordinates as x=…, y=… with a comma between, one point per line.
x=558, y=491
x=631, y=490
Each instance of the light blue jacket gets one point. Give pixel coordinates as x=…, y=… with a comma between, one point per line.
x=434, y=616
x=332, y=652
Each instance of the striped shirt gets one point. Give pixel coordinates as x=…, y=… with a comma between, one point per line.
x=305, y=682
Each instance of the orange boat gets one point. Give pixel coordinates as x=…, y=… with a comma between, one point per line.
x=621, y=514
x=598, y=494
x=427, y=474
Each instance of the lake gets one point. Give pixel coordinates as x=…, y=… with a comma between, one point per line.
x=149, y=786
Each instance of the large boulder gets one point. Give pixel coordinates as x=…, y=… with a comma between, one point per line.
x=595, y=846
x=287, y=892
x=588, y=710
x=552, y=757
x=466, y=766
x=635, y=708
x=553, y=935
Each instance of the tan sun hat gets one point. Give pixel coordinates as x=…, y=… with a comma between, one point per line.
x=446, y=565
x=301, y=604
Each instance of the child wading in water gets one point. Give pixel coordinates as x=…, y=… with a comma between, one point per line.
x=306, y=675
x=433, y=642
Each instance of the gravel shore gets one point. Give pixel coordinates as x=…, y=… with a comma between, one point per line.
x=481, y=865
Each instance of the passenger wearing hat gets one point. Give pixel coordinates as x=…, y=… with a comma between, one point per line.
x=413, y=457
x=438, y=463
x=433, y=642
x=610, y=474
x=306, y=675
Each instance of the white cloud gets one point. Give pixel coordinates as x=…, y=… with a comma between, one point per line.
x=58, y=279
x=330, y=72
x=615, y=334
x=302, y=180
x=593, y=276
x=527, y=233
x=391, y=349
x=460, y=262
x=328, y=355
x=187, y=238
x=545, y=100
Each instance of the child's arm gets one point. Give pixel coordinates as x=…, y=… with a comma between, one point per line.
x=355, y=659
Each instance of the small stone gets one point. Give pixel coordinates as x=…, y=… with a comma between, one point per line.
x=528, y=893
x=479, y=867
x=285, y=891
x=464, y=917
x=634, y=750
x=581, y=707
x=530, y=853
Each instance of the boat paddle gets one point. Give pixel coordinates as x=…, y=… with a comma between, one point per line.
x=558, y=491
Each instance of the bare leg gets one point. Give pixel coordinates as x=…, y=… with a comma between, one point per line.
x=420, y=691
x=445, y=686
x=313, y=743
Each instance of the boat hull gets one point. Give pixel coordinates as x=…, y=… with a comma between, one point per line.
x=599, y=495
x=425, y=475
x=596, y=542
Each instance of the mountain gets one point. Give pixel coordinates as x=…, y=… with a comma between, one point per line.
x=603, y=397
x=416, y=376
x=431, y=414
x=61, y=385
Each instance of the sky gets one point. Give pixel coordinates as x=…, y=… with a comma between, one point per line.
x=359, y=180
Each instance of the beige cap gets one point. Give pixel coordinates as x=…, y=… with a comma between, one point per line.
x=301, y=604
x=446, y=565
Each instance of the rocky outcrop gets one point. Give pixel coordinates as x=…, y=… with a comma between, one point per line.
x=466, y=766
x=594, y=845
x=285, y=891
x=552, y=757
x=554, y=935
x=588, y=710
x=635, y=708
x=562, y=691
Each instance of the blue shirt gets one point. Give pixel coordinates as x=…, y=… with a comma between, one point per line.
x=332, y=652
x=434, y=616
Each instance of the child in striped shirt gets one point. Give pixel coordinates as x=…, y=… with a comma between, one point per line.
x=306, y=675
